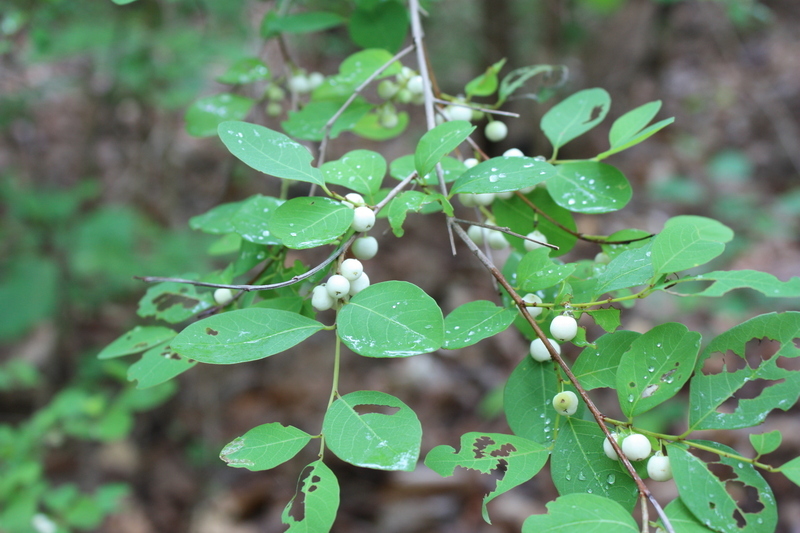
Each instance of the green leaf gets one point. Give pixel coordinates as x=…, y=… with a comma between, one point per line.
x=370, y=127
x=517, y=215
x=373, y=429
x=709, y=391
x=137, y=340
x=688, y=241
x=792, y=470
x=269, y=151
x=537, y=271
x=243, y=335
x=353, y=71
x=384, y=26
x=632, y=122
x=358, y=170
x=579, y=464
x=502, y=174
x=515, y=79
x=205, y=115
x=485, y=84
x=29, y=287
x=589, y=187
x=708, y=498
x=766, y=284
x=308, y=22
x=402, y=167
x=413, y=201
x=173, y=302
x=264, y=447
x=516, y=459
x=597, y=367
x=309, y=123
x=656, y=367
x=245, y=70
x=527, y=400
x=641, y=136
x=252, y=221
x=218, y=220
x=631, y=268
x=157, y=365
x=439, y=142
x=475, y=321
x=608, y=319
x=310, y=221
x=575, y=116
x=391, y=319
x=682, y=518
x=314, y=505
x=765, y=443
x=587, y=513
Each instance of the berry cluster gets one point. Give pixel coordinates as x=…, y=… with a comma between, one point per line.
x=637, y=447
x=350, y=280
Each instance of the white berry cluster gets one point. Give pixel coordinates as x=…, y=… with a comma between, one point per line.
x=563, y=328
x=363, y=216
x=404, y=89
x=495, y=239
x=637, y=447
x=349, y=281
x=302, y=83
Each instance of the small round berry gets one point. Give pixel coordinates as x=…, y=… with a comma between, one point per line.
x=352, y=199
x=457, y=112
x=527, y=190
x=609, y=450
x=299, y=84
x=566, y=403
x=531, y=298
x=636, y=447
x=389, y=119
x=563, y=328
x=539, y=351
x=406, y=73
x=602, y=258
x=659, y=467
x=361, y=283
x=536, y=235
x=477, y=233
x=387, y=89
x=274, y=92
x=467, y=199
x=223, y=296
x=274, y=109
x=315, y=79
x=470, y=162
x=496, y=240
x=320, y=299
x=504, y=195
x=404, y=96
x=365, y=248
x=415, y=85
x=337, y=286
x=513, y=152
x=484, y=198
x=351, y=269
x=363, y=218
x=496, y=131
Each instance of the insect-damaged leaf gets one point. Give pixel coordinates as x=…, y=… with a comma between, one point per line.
x=264, y=447
x=314, y=505
x=587, y=513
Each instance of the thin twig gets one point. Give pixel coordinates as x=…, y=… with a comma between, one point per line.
x=506, y=230
x=477, y=108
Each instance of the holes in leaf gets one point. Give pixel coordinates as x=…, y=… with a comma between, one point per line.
x=166, y=300
x=298, y=508
x=366, y=409
x=595, y=114
x=750, y=390
x=747, y=497
x=212, y=332
x=756, y=352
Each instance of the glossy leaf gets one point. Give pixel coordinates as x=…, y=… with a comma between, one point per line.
x=608, y=319
x=358, y=170
x=589, y=187
x=391, y=319
x=631, y=268
x=579, y=464
x=485, y=84
x=656, y=367
x=708, y=498
x=597, y=367
x=537, y=271
x=269, y=151
x=501, y=174
x=353, y=71
x=218, y=220
x=475, y=321
x=243, y=335
x=173, y=302
x=413, y=201
x=157, y=365
x=309, y=123
x=709, y=391
x=314, y=505
x=638, y=138
x=402, y=167
x=628, y=125
x=575, y=116
x=310, y=221
x=527, y=400
x=205, y=115
x=764, y=443
x=370, y=127
x=246, y=70
x=373, y=429
x=253, y=219
x=308, y=22
x=439, y=142
x=688, y=241
x=763, y=282
x=586, y=513
x=516, y=459
x=264, y=447
x=137, y=340
x=384, y=26
x=792, y=470
x=517, y=215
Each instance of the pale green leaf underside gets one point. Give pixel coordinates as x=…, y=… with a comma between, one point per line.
x=253, y=218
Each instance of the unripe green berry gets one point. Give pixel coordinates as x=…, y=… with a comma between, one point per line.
x=389, y=119
x=274, y=109
x=602, y=258
x=403, y=96
x=351, y=269
x=536, y=235
x=274, y=92
x=387, y=89
x=223, y=296
x=363, y=218
x=565, y=403
x=531, y=298
x=337, y=286
x=539, y=351
x=659, y=467
x=365, y=248
x=563, y=328
x=636, y=447
x=496, y=131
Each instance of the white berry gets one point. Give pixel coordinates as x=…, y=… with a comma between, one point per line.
x=496, y=240
x=566, y=403
x=299, y=84
x=602, y=258
x=476, y=233
x=223, y=296
x=363, y=218
x=353, y=199
x=467, y=200
x=315, y=79
x=513, y=152
x=563, y=328
x=611, y=453
x=504, y=195
x=531, y=298
x=484, y=198
x=389, y=119
x=320, y=299
x=361, y=283
x=415, y=84
x=536, y=235
x=470, y=162
x=539, y=351
x=337, y=286
x=457, y=112
x=496, y=131
x=636, y=447
x=387, y=89
x=351, y=269
x=365, y=248
x=659, y=467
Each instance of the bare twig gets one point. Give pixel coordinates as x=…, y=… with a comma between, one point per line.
x=506, y=230
x=477, y=108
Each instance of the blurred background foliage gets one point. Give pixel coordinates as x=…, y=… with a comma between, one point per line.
x=98, y=178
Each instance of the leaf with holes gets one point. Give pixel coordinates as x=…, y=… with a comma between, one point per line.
x=597, y=366
x=584, y=513
x=709, y=499
x=764, y=443
x=439, y=142
x=264, y=447
x=527, y=401
x=728, y=280
x=516, y=459
x=315, y=502
x=359, y=432
x=537, y=271
x=391, y=319
x=708, y=392
x=682, y=518
x=414, y=201
x=310, y=221
x=252, y=220
x=243, y=335
x=575, y=116
x=205, y=115
x=655, y=367
x=358, y=170
x=475, y=321
x=269, y=151
x=589, y=187
x=516, y=214
x=688, y=241
x=137, y=340
x=503, y=174
x=173, y=302
x=157, y=365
